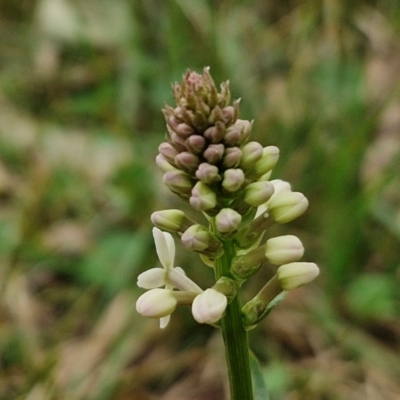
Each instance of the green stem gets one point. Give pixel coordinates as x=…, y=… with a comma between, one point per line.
x=235, y=337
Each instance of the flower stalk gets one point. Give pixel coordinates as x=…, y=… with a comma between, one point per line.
x=208, y=161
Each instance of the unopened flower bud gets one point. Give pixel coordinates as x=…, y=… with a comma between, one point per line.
x=184, y=130
x=229, y=115
x=227, y=220
x=171, y=220
x=187, y=161
x=163, y=164
x=252, y=152
x=202, y=197
x=213, y=153
x=232, y=157
x=209, y=306
x=233, y=179
x=167, y=151
x=215, y=133
x=257, y=193
x=280, y=186
x=283, y=249
x=156, y=303
x=287, y=206
x=237, y=133
x=215, y=115
x=268, y=160
x=178, y=182
x=208, y=173
x=296, y=274
x=195, y=144
x=199, y=238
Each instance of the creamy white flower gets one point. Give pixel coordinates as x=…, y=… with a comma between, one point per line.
x=209, y=306
x=169, y=277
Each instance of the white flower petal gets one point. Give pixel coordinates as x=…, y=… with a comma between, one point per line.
x=165, y=247
x=164, y=321
x=178, y=279
x=152, y=278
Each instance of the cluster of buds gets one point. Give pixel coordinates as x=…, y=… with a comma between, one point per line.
x=208, y=161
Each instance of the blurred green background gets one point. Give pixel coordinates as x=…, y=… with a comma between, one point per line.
x=82, y=83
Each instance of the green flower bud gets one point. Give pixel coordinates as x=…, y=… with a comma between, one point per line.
x=171, y=220
x=232, y=157
x=268, y=160
x=252, y=152
x=213, y=153
x=227, y=220
x=283, y=249
x=202, y=197
x=178, y=182
x=296, y=274
x=287, y=206
x=163, y=164
x=233, y=179
x=258, y=193
x=198, y=238
x=208, y=173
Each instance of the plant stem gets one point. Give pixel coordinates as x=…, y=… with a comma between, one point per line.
x=234, y=335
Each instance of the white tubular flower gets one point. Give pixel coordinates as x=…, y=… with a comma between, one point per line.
x=296, y=274
x=169, y=276
x=283, y=249
x=209, y=306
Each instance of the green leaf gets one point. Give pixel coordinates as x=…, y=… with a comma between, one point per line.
x=259, y=385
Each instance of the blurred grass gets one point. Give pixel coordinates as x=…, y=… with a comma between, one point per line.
x=81, y=87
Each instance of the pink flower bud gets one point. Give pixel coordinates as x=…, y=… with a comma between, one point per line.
x=232, y=157
x=199, y=238
x=233, y=179
x=213, y=153
x=195, y=144
x=208, y=173
x=187, y=161
x=227, y=220
x=167, y=151
x=178, y=182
